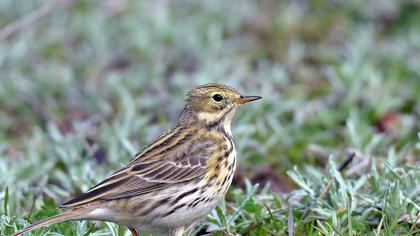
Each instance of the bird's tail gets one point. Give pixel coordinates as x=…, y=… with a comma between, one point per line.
x=69, y=215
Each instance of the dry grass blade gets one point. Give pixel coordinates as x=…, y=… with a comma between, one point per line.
x=290, y=223
x=27, y=20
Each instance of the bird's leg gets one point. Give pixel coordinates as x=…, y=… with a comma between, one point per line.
x=133, y=232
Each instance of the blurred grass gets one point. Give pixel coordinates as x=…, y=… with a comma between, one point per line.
x=82, y=89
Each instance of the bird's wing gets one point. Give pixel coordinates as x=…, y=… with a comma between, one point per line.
x=181, y=160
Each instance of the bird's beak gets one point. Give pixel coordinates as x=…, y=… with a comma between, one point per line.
x=245, y=99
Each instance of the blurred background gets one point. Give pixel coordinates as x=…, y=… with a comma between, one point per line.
x=85, y=84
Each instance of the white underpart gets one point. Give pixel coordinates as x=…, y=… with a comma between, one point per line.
x=100, y=213
x=186, y=215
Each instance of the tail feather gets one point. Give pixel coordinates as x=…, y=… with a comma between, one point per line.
x=69, y=215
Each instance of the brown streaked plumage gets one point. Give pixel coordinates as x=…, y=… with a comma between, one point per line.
x=177, y=179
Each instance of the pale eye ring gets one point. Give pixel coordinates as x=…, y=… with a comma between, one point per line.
x=217, y=97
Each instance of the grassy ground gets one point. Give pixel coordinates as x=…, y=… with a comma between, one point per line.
x=85, y=87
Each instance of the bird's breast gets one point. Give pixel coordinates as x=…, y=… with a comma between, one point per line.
x=221, y=170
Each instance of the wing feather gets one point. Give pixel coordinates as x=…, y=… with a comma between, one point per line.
x=155, y=171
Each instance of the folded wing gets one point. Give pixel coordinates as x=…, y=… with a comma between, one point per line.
x=153, y=172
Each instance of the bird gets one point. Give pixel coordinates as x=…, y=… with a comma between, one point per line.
x=176, y=180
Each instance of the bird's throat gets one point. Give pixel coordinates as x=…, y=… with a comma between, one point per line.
x=221, y=120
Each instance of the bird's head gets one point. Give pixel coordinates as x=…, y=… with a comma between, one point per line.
x=215, y=103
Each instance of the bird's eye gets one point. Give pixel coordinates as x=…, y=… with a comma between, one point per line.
x=217, y=97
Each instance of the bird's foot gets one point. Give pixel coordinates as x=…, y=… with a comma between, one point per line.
x=133, y=232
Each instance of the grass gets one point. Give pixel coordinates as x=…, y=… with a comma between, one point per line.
x=86, y=86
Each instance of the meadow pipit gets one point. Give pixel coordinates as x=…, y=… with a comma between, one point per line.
x=177, y=179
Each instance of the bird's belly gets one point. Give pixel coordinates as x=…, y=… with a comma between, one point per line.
x=158, y=224
x=189, y=215
x=174, y=212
